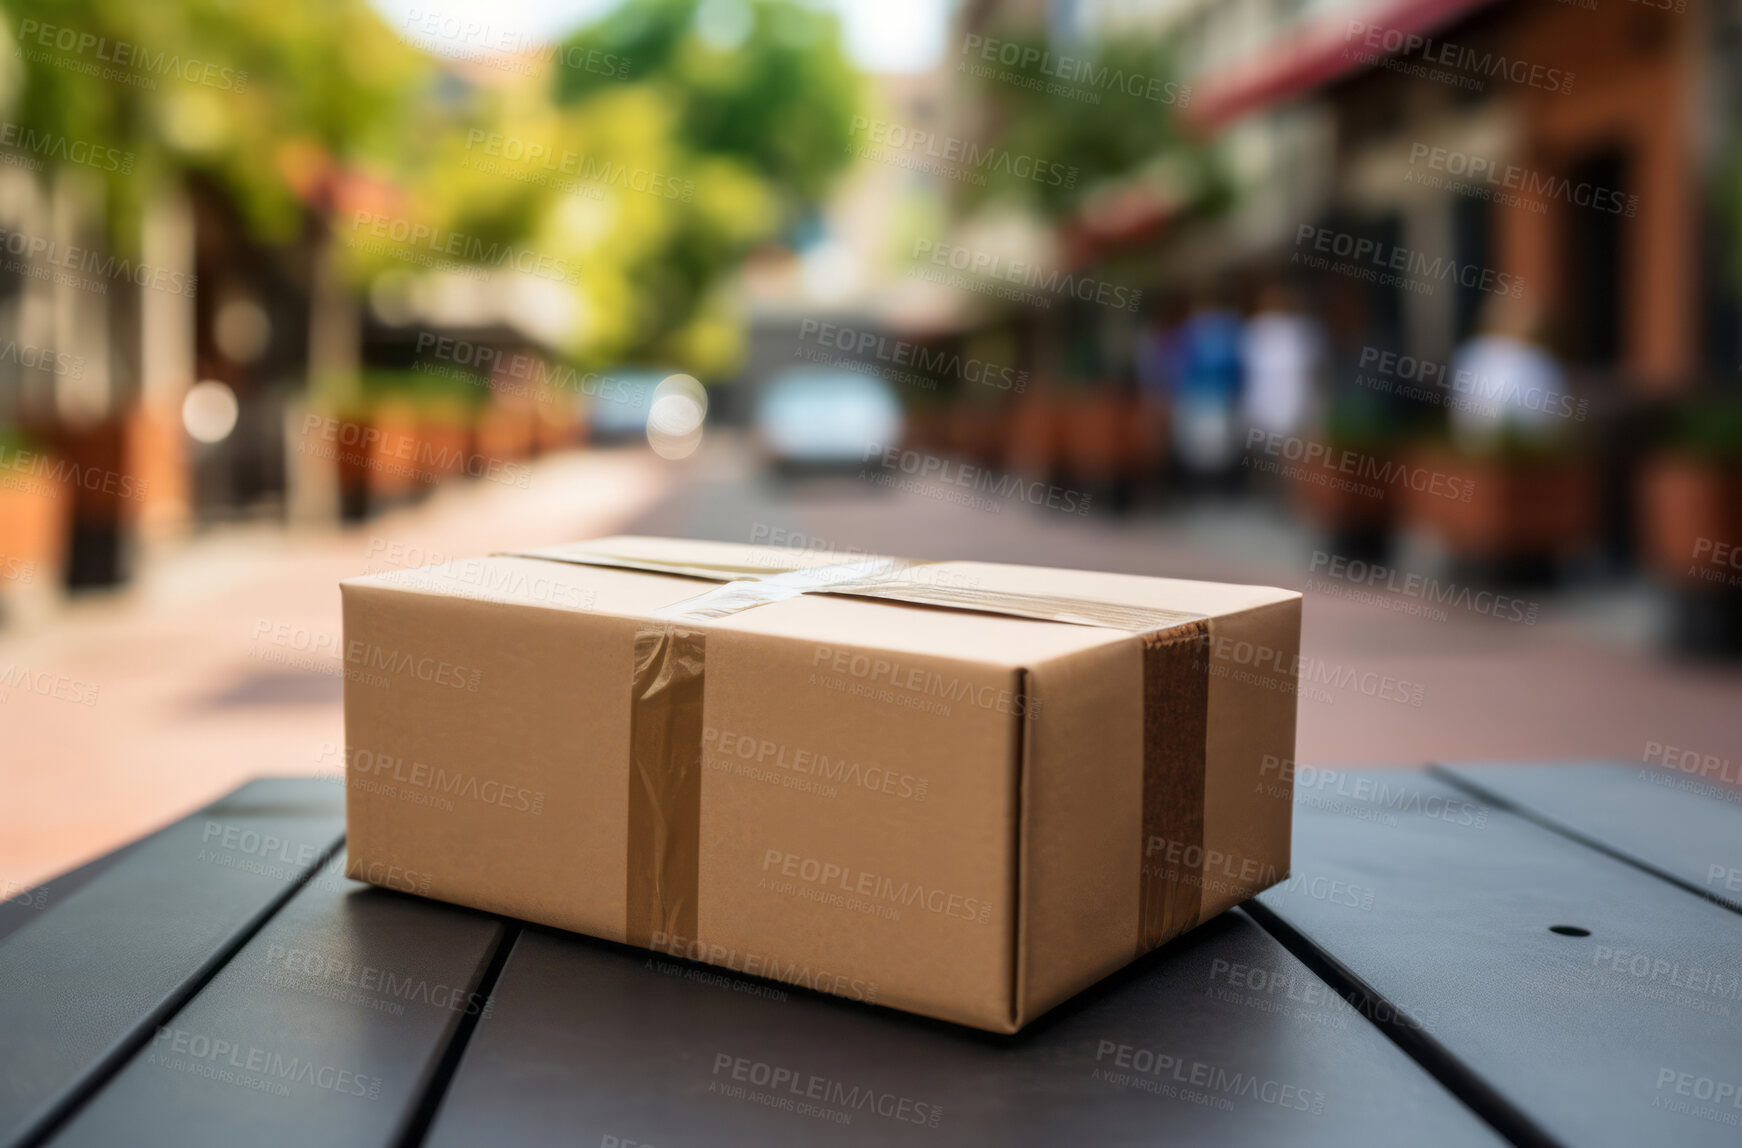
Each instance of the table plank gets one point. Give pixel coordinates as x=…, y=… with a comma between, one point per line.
x=19, y=906
x=1444, y=908
x=1682, y=826
x=326, y=1028
x=89, y=977
x=1221, y=1037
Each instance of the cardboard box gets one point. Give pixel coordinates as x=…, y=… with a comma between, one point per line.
x=865, y=777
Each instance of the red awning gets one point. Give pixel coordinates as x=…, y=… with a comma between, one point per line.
x=1326, y=49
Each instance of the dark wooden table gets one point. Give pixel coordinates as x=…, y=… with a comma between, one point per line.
x=1470, y=955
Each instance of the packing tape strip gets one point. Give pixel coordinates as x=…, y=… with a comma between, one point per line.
x=1176, y=712
x=665, y=783
x=665, y=775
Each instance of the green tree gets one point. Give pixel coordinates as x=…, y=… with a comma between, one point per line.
x=757, y=99
x=1104, y=114
x=254, y=94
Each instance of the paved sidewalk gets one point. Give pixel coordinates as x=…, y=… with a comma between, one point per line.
x=1384, y=688
x=191, y=693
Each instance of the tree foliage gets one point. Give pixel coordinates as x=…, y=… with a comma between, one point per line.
x=634, y=167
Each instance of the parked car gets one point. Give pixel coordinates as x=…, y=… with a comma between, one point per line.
x=618, y=402
x=810, y=418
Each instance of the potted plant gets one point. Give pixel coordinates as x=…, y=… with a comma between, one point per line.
x=505, y=430
x=1355, y=509
x=1690, y=524
x=977, y=426
x=393, y=467
x=929, y=418
x=409, y=431
x=1514, y=510
x=35, y=513
x=1035, y=447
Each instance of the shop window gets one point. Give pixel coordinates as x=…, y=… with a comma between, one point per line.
x=1472, y=246
x=1594, y=262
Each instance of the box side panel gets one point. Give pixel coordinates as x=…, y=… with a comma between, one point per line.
x=1082, y=817
x=1248, y=796
x=487, y=750
x=858, y=825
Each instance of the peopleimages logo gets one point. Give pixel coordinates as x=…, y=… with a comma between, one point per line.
x=922, y=681
x=1717, y=553
x=1194, y=865
x=52, y=145
x=73, y=260
x=976, y=158
x=1299, y=671
x=937, y=363
x=1721, y=1100
x=1650, y=968
x=1312, y=785
x=1020, y=273
x=43, y=359
x=1473, y=390
x=499, y=369
x=588, y=170
x=1511, y=177
x=44, y=684
x=1378, y=38
x=763, y=753
x=1390, y=257
x=458, y=246
x=756, y=965
x=34, y=464
x=1385, y=473
x=409, y=456
x=15, y=569
x=1706, y=766
x=977, y=478
x=120, y=60
x=341, y=977
x=367, y=655
x=258, y=1069
x=1077, y=77
x=387, y=774
x=799, y=1085
x=830, y=878
x=1155, y=1071
x=511, y=49
x=1305, y=997
x=1422, y=587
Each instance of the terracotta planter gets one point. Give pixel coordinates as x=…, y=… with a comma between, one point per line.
x=503, y=434
x=105, y=498
x=978, y=431
x=35, y=519
x=1146, y=434
x=442, y=447
x=1340, y=504
x=393, y=464
x=157, y=455
x=1035, y=446
x=554, y=428
x=351, y=458
x=1093, y=441
x=1500, y=510
x=1690, y=522
x=928, y=428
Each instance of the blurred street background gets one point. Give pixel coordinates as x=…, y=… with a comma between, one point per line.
x=1427, y=308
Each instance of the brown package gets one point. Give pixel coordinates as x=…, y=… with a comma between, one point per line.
x=886, y=780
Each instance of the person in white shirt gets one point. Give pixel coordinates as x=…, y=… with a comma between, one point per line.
x=1503, y=382
x=1282, y=352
